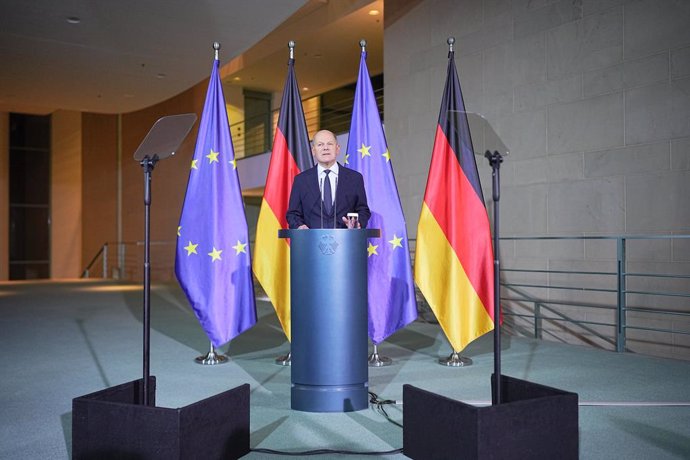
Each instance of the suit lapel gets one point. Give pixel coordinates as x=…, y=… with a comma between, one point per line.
x=314, y=193
x=343, y=184
x=313, y=184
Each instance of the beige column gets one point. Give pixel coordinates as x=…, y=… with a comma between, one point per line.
x=66, y=196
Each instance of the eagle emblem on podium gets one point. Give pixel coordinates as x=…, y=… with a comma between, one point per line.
x=328, y=245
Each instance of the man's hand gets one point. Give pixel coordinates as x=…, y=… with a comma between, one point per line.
x=351, y=223
x=302, y=227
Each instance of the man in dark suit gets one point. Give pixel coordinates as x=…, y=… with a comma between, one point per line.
x=322, y=196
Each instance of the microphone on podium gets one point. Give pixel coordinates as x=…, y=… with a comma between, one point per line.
x=321, y=195
x=335, y=202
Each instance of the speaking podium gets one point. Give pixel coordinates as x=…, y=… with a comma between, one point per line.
x=328, y=296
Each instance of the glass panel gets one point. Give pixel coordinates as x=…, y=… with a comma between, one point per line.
x=336, y=105
x=30, y=181
x=29, y=236
x=29, y=131
x=31, y=271
x=336, y=109
x=257, y=128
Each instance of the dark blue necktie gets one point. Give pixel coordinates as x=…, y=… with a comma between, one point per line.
x=327, y=194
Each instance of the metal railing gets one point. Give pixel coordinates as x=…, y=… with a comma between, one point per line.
x=335, y=116
x=560, y=303
x=618, y=291
x=125, y=261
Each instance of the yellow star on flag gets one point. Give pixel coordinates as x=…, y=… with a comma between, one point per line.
x=395, y=242
x=215, y=254
x=194, y=166
x=179, y=227
x=386, y=155
x=233, y=162
x=213, y=156
x=347, y=158
x=191, y=248
x=239, y=247
x=372, y=249
x=364, y=150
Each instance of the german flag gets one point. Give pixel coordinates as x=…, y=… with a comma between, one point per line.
x=290, y=156
x=454, y=256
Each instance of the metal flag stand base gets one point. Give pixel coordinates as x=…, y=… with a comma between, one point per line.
x=455, y=360
x=284, y=360
x=376, y=360
x=211, y=358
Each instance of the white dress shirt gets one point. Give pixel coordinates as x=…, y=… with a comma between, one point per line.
x=333, y=177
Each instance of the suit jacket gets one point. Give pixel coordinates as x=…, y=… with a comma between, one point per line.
x=305, y=200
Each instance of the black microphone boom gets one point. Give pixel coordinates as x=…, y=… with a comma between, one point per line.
x=335, y=202
x=321, y=194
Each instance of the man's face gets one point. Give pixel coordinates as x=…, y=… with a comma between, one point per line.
x=325, y=148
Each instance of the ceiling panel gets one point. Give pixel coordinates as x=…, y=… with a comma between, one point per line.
x=122, y=55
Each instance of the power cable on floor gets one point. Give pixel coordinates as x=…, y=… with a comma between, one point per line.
x=325, y=452
x=378, y=405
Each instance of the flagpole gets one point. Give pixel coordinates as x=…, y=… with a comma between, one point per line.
x=212, y=358
x=454, y=359
x=374, y=359
x=286, y=360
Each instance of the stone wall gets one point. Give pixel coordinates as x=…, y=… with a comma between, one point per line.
x=592, y=99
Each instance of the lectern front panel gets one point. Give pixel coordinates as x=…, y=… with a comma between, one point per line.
x=329, y=320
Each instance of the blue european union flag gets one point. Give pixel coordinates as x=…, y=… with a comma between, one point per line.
x=392, y=303
x=212, y=263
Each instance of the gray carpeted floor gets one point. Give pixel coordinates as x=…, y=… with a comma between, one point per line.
x=63, y=340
